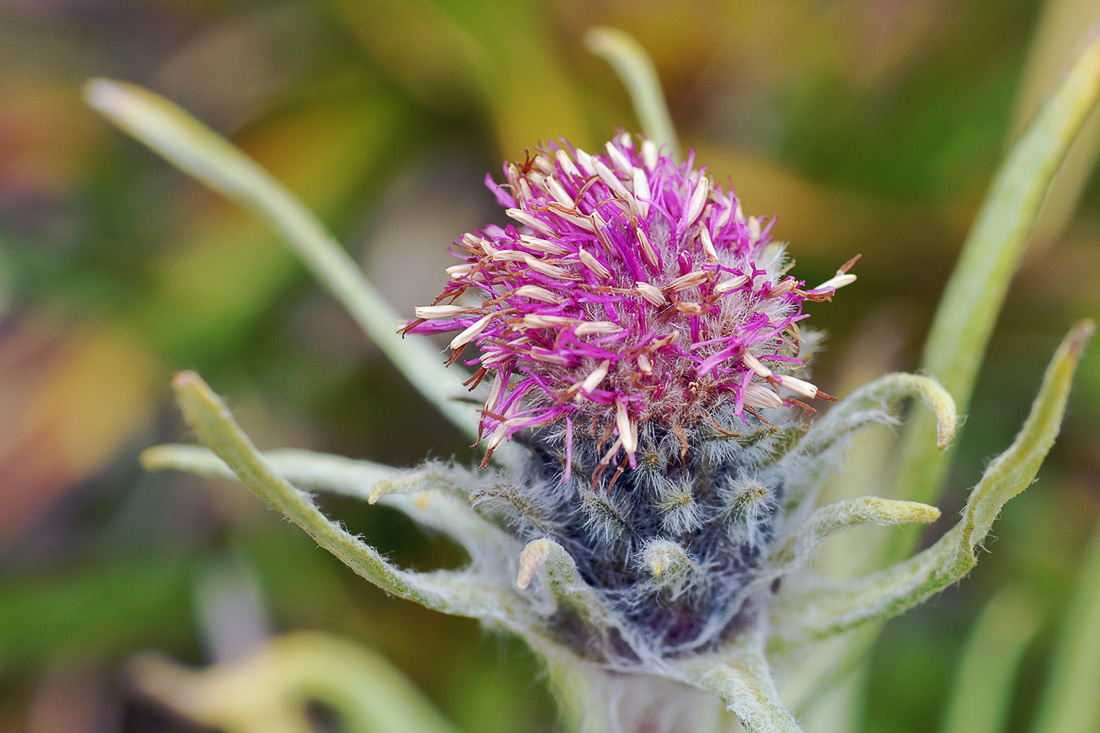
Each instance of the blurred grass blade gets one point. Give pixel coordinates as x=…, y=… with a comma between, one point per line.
x=974, y=295
x=818, y=614
x=1059, y=30
x=269, y=690
x=1071, y=703
x=204, y=154
x=635, y=69
x=448, y=592
x=981, y=698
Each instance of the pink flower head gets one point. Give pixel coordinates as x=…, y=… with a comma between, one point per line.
x=629, y=288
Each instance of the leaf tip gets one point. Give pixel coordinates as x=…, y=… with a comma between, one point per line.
x=106, y=96
x=152, y=459
x=530, y=560
x=187, y=382
x=1080, y=336
x=598, y=38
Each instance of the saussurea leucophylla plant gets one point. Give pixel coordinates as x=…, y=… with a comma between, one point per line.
x=646, y=512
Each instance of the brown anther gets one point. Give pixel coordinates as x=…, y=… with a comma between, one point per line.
x=850, y=263
x=760, y=417
x=681, y=436
x=411, y=325
x=781, y=288
x=455, y=354
x=475, y=380
x=797, y=403
x=618, y=472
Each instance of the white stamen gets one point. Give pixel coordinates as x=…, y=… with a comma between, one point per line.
x=618, y=158
x=708, y=244
x=723, y=215
x=649, y=154
x=544, y=164
x=508, y=255
x=494, y=392
x=627, y=429
x=560, y=194
x=797, y=385
x=460, y=271
x=594, y=266
x=442, y=311
x=754, y=230
x=610, y=179
x=757, y=395
x=840, y=280
x=642, y=194
x=597, y=327
x=692, y=309
x=644, y=364
x=731, y=284
x=697, y=201
x=547, y=269
x=648, y=252
x=530, y=221
x=535, y=320
x=593, y=380
x=652, y=293
x=753, y=363
x=579, y=220
x=497, y=437
x=525, y=190
x=782, y=288
x=584, y=162
x=690, y=280
x=538, y=293
x=541, y=245
x=548, y=356
x=567, y=165
x=471, y=331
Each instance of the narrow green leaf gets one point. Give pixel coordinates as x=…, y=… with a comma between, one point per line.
x=1071, y=702
x=981, y=698
x=866, y=406
x=745, y=685
x=428, y=506
x=827, y=611
x=448, y=592
x=833, y=518
x=975, y=294
x=213, y=160
x=635, y=69
x=547, y=560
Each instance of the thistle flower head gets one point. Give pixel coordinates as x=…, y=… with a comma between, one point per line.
x=629, y=289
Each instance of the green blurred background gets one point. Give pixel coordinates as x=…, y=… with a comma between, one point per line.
x=867, y=126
